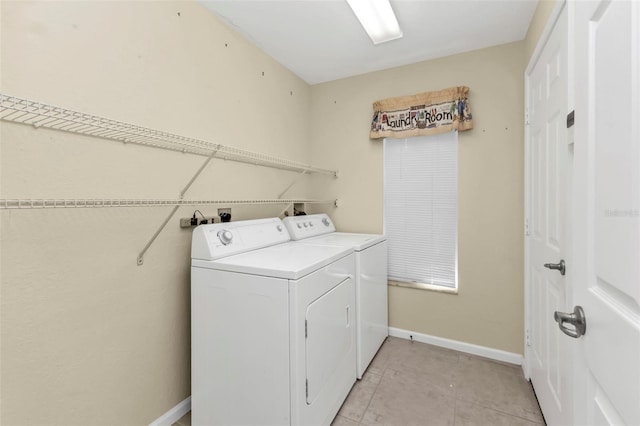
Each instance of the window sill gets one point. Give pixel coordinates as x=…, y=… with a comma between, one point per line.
x=421, y=286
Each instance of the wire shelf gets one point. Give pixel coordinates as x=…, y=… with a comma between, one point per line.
x=9, y=204
x=37, y=114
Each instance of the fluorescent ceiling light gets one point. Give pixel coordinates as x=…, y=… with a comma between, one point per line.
x=377, y=18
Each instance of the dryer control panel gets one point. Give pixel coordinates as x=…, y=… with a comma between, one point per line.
x=307, y=226
x=218, y=240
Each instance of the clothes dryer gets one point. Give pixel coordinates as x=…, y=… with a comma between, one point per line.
x=372, y=325
x=273, y=326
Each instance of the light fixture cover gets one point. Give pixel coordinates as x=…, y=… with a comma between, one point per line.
x=377, y=18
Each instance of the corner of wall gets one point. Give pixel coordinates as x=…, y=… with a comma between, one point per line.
x=537, y=25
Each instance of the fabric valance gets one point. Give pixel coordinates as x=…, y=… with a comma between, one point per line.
x=426, y=113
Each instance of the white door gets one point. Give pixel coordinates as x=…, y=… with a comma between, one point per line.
x=607, y=212
x=547, y=209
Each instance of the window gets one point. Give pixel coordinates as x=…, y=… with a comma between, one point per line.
x=421, y=210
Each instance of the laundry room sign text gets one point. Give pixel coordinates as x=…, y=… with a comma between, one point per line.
x=426, y=113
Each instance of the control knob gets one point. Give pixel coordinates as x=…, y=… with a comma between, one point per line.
x=325, y=221
x=225, y=236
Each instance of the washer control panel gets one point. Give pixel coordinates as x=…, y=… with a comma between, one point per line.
x=307, y=226
x=218, y=240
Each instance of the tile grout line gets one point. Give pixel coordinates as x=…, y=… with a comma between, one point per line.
x=376, y=388
x=456, y=386
x=513, y=415
x=480, y=404
x=488, y=407
x=455, y=409
x=484, y=405
x=461, y=384
x=368, y=404
x=372, y=395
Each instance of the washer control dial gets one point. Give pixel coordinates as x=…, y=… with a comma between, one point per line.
x=325, y=221
x=225, y=236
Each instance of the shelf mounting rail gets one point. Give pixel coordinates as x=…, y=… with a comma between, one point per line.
x=24, y=111
x=36, y=114
x=58, y=203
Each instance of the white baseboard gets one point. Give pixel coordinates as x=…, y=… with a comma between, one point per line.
x=174, y=414
x=469, y=348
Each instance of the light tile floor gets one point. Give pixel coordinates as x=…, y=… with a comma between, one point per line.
x=412, y=383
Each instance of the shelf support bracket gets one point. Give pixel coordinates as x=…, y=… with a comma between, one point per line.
x=144, y=250
x=140, y=259
x=300, y=176
x=285, y=209
x=304, y=172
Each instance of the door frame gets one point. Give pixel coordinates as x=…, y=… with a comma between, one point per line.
x=542, y=41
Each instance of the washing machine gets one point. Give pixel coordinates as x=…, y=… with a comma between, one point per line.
x=372, y=325
x=273, y=326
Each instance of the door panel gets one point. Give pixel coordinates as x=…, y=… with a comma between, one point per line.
x=538, y=346
x=613, y=354
x=616, y=151
x=607, y=211
x=601, y=411
x=555, y=346
x=547, y=214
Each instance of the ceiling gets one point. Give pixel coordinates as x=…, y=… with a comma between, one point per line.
x=322, y=40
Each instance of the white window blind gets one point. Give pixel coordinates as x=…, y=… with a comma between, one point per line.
x=421, y=208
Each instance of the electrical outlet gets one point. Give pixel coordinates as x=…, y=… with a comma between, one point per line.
x=298, y=208
x=224, y=214
x=210, y=220
x=185, y=222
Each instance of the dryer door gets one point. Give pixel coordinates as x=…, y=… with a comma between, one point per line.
x=330, y=323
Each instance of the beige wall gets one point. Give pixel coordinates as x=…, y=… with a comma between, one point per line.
x=89, y=337
x=488, y=310
x=538, y=22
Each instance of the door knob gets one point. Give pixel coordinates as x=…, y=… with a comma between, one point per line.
x=576, y=319
x=557, y=266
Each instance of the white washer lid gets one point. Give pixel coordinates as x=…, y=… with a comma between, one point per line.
x=286, y=260
x=356, y=241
